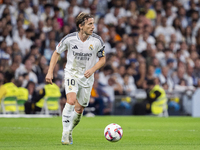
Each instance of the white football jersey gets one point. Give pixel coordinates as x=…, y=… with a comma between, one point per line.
x=81, y=56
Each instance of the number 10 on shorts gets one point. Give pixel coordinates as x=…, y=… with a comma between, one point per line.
x=70, y=82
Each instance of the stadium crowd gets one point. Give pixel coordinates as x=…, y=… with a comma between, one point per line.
x=144, y=39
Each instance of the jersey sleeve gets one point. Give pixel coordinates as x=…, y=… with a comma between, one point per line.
x=62, y=46
x=101, y=47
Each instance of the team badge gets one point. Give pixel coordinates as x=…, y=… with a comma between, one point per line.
x=91, y=47
x=70, y=87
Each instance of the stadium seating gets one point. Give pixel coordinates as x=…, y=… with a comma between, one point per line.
x=51, y=106
x=20, y=104
x=9, y=105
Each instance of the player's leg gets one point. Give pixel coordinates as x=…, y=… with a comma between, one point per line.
x=71, y=88
x=68, y=110
x=77, y=114
x=83, y=97
x=76, y=117
x=67, y=117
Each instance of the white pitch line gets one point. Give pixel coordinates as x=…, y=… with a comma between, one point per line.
x=24, y=116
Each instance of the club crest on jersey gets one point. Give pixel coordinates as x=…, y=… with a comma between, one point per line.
x=91, y=47
x=70, y=88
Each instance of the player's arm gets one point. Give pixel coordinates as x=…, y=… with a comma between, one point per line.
x=98, y=65
x=53, y=62
x=61, y=47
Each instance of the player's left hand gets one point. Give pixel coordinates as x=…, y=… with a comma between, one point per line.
x=88, y=73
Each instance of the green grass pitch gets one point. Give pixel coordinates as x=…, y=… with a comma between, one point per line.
x=140, y=133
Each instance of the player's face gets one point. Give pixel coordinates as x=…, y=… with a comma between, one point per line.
x=88, y=26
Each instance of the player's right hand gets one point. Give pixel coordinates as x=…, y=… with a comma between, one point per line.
x=49, y=78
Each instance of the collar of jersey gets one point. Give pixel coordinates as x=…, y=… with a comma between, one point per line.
x=80, y=39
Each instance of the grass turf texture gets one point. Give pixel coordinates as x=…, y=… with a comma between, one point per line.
x=140, y=133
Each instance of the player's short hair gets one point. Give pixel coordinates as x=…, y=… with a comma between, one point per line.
x=80, y=19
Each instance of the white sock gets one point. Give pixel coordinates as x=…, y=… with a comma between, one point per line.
x=67, y=116
x=75, y=120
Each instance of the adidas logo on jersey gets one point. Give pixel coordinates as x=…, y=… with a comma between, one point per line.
x=75, y=47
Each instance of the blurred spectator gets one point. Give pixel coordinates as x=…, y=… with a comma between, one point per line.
x=48, y=26
x=27, y=72
x=179, y=75
x=34, y=50
x=150, y=72
x=132, y=10
x=148, y=38
x=111, y=18
x=22, y=41
x=130, y=70
x=102, y=7
x=4, y=57
x=164, y=29
x=34, y=16
x=6, y=36
x=57, y=17
x=190, y=39
x=85, y=6
x=10, y=73
x=115, y=86
x=183, y=17
x=42, y=63
x=114, y=37
x=64, y=5
x=121, y=70
x=2, y=88
x=182, y=86
x=140, y=77
x=157, y=66
x=41, y=76
x=49, y=51
x=140, y=45
x=128, y=87
x=37, y=102
x=197, y=68
x=155, y=103
x=150, y=12
x=47, y=12
x=198, y=41
x=143, y=19
x=76, y=8
x=165, y=78
x=97, y=101
x=190, y=78
x=105, y=75
x=177, y=26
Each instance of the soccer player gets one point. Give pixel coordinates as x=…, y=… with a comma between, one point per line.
x=83, y=49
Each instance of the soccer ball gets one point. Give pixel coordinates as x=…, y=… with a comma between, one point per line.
x=113, y=132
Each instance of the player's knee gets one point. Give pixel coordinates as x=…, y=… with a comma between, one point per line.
x=71, y=101
x=79, y=110
x=71, y=98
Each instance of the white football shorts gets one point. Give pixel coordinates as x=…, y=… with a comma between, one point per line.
x=82, y=93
